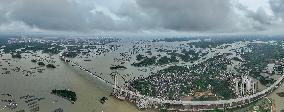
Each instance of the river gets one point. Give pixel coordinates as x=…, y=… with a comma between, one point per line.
x=88, y=90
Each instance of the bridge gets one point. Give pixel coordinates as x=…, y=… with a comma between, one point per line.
x=143, y=101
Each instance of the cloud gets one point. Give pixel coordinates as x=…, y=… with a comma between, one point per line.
x=139, y=15
x=277, y=7
x=49, y=14
x=4, y=4
x=3, y=18
x=260, y=16
x=76, y=15
x=16, y=26
x=254, y=20
x=197, y=15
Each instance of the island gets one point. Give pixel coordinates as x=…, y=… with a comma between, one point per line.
x=117, y=67
x=50, y=66
x=66, y=94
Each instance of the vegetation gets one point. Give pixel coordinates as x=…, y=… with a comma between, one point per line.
x=50, y=66
x=237, y=59
x=41, y=64
x=66, y=94
x=173, y=57
x=146, y=62
x=33, y=60
x=33, y=46
x=70, y=54
x=165, y=60
x=259, y=58
x=189, y=55
x=140, y=57
x=144, y=87
x=185, y=55
x=150, y=85
x=215, y=110
x=178, y=75
x=117, y=67
x=16, y=55
x=176, y=81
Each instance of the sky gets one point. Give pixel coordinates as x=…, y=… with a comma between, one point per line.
x=143, y=16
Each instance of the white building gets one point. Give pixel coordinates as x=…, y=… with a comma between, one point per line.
x=246, y=87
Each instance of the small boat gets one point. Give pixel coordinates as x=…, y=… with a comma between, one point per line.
x=281, y=94
x=103, y=100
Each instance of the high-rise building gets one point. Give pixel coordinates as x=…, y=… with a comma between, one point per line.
x=246, y=87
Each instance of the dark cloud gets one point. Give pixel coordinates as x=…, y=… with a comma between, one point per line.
x=3, y=18
x=101, y=21
x=258, y=19
x=188, y=14
x=50, y=14
x=135, y=18
x=277, y=7
x=68, y=15
x=261, y=16
x=136, y=15
x=4, y=11
x=180, y=15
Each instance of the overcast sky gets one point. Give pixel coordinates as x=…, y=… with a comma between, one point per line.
x=143, y=16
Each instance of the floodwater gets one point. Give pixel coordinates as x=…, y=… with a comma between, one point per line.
x=88, y=89
x=279, y=101
x=39, y=85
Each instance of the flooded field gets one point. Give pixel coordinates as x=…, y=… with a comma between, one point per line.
x=18, y=87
